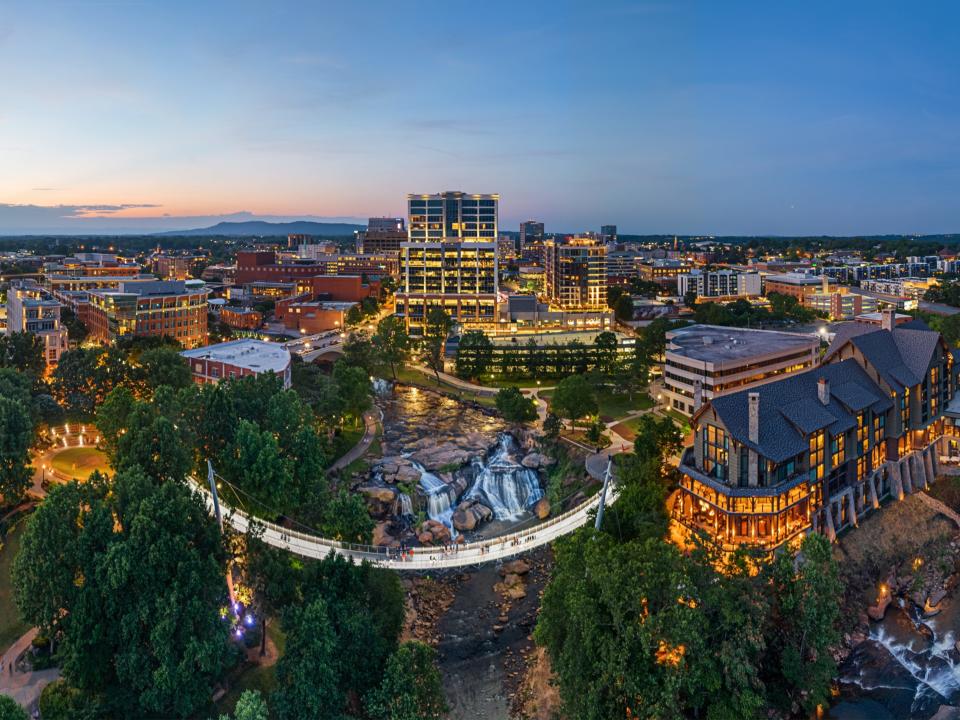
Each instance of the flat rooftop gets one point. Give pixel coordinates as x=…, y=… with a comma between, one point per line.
x=795, y=278
x=256, y=355
x=716, y=344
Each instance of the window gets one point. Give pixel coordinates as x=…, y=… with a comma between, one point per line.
x=715, y=448
x=816, y=455
x=836, y=450
x=905, y=409
x=863, y=433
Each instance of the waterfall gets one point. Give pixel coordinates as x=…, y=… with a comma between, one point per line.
x=381, y=386
x=404, y=504
x=503, y=484
x=439, y=497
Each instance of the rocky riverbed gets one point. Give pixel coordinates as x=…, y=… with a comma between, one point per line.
x=449, y=470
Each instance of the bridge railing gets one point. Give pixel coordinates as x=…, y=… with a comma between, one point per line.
x=378, y=553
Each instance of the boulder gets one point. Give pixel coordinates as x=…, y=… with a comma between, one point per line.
x=517, y=567
x=876, y=612
x=537, y=460
x=542, y=508
x=464, y=520
x=433, y=532
x=381, y=494
x=382, y=536
x=469, y=514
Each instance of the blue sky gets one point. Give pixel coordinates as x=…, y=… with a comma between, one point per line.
x=661, y=117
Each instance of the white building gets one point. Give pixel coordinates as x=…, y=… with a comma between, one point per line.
x=238, y=358
x=719, y=283
x=29, y=311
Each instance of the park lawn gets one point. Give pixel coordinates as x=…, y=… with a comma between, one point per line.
x=11, y=627
x=499, y=382
x=418, y=379
x=80, y=462
x=613, y=405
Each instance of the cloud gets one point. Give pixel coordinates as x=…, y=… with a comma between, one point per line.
x=106, y=219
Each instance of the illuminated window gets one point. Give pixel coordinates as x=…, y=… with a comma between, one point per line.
x=816, y=455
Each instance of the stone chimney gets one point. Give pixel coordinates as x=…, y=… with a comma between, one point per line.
x=887, y=319
x=823, y=390
x=753, y=406
x=697, y=395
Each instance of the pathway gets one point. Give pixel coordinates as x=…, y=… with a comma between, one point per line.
x=421, y=558
x=24, y=687
x=454, y=381
x=371, y=420
x=939, y=506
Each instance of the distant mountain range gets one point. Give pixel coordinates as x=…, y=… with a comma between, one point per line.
x=260, y=228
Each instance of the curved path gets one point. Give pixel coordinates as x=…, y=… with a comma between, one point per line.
x=422, y=558
x=371, y=421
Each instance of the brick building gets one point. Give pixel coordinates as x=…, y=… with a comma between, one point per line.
x=238, y=358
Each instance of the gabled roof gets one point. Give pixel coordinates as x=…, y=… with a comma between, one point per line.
x=790, y=409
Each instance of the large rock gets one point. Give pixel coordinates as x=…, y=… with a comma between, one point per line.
x=382, y=536
x=536, y=460
x=517, y=567
x=433, y=533
x=511, y=586
x=542, y=508
x=469, y=514
x=378, y=493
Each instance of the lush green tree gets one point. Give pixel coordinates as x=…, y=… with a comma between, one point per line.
x=354, y=316
x=474, y=354
x=10, y=710
x=391, y=344
x=308, y=670
x=803, y=625
x=59, y=701
x=573, y=398
x=216, y=423
x=76, y=330
x=15, y=385
x=514, y=406
x=595, y=431
x=552, y=426
x=344, y=516
x=437, y=326
x=358, y=351
x=949, y=327
x=256, y=466
x=623, y=310
x=159, y=446
x=271, y=577
x=250, y=706
x=16, y=437
x=411, y=687
x=353, y=388
x=113, y=418
x=130, y=576
x=164, y=366
x=23, y=351
x=46, y=410
x=606, y=345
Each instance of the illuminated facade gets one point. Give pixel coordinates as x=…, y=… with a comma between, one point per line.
x=29, y=311
x=452, y=216
x=460, y=277
x=150, y=309
x=818, y=450
x=576, y=273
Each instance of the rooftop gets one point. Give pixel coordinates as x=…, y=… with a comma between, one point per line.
x=256, y=355
x=795, y=279
x=716, y=344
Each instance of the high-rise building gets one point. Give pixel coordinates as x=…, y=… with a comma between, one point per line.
x=460, y=277
x=608, y=233
x=452, y=216
x=162, y=308
x=383, y=235
x=531, y=236
x=295, y=240
x=576, y=273
x=29, y=311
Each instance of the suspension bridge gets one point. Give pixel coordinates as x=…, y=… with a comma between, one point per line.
x=419, y=558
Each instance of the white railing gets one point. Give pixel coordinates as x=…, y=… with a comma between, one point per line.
x=420, y=558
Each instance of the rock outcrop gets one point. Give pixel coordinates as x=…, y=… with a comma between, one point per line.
x=469, y=514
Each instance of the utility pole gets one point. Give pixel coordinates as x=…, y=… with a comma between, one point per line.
x=603, y=493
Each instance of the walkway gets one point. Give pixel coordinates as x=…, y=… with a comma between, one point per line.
x=455, y=381
x=939, y=506
x=421, y=558
x=371, y=420
x=24, y=687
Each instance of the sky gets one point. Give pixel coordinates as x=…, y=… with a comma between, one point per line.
x=720, y=118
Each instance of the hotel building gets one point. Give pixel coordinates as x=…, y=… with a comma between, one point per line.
x=817, y=450
x=703, y=362
x=161, y=308
x=576, y=273
x=452, y=216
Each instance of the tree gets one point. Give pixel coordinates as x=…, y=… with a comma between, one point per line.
x=23, y=351
x=113, y=418
x=606, y=345
x=257, y=467
x=623, y=310
x=308, y=670
x=391, y=343
x=436, y=329
x=353, y=388
x=411, y=688
x=16, y=436
x=130, y=575
x=573, y=398
x=345, y=517
x=552, y=426
x=690, y=298
x=595, y=431
x=164, y=366
x=950, y=329
x=803, y=624
x=76, y=330
x=514, y=406
x=270, y=576
x=474, y=354
x=159, y=446
x=358, y=352
x=10, y=710
x=250, y=706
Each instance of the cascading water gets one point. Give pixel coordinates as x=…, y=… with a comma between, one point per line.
x=503, y=484
x=909, y=665
x=404, y=505
x=439, y=497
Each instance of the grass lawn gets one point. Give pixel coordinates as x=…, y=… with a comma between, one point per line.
x=413, y=377
x=613, y=405
x=80, y=462
x=499, y=382
x=11, y=626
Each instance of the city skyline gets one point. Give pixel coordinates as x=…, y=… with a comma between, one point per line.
x=660, y=118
